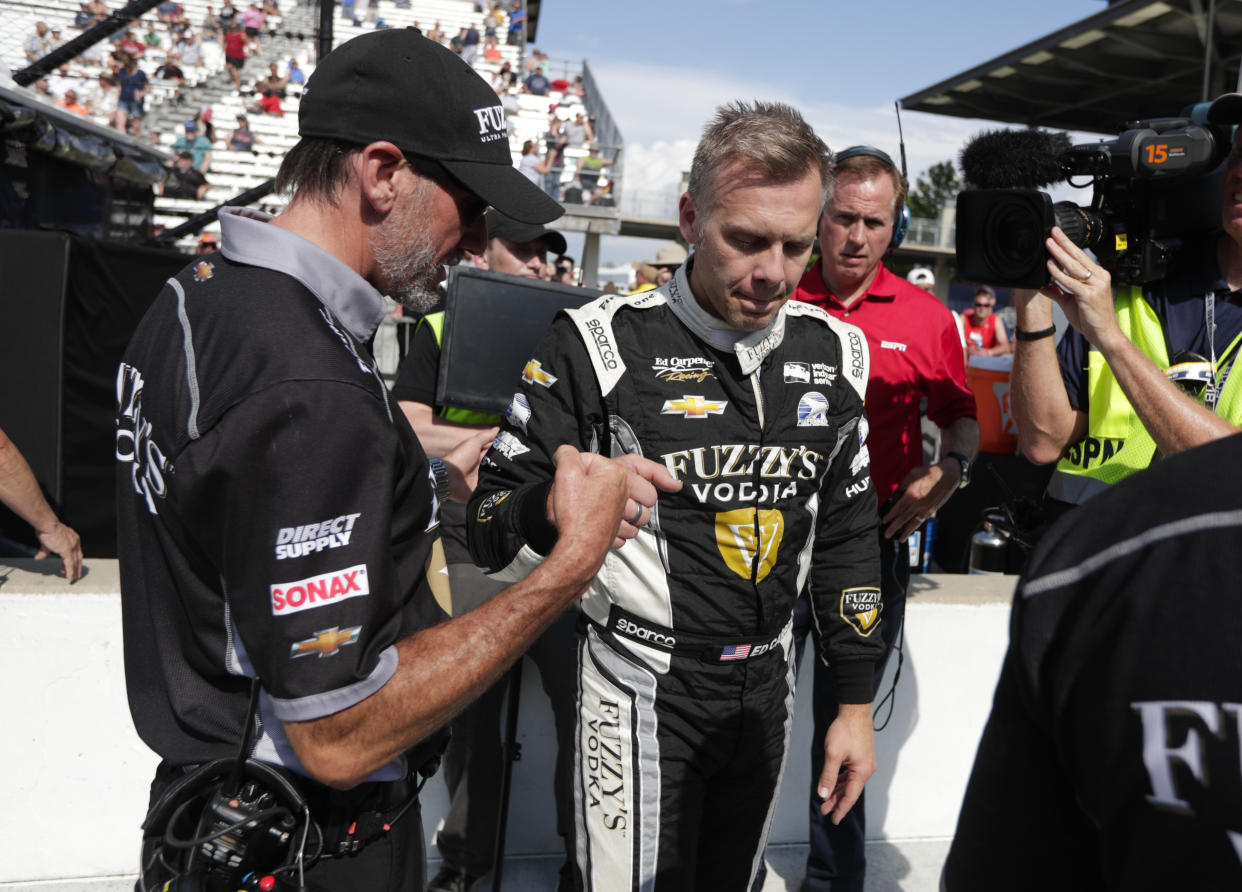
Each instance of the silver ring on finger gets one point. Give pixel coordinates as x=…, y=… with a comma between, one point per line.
x=638, y=515
x=1089, y=274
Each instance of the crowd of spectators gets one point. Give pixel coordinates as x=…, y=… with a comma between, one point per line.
x=162, y=57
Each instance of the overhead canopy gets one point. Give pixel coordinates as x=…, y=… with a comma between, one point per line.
x=1136, y=59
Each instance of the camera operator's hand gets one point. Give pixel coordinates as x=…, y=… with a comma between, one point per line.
x=1084, y=290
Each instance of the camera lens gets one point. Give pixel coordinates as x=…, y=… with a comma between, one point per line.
x=1083, y=226
x=1013, y=235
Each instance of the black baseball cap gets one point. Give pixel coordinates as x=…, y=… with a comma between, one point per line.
x=397, y=85
x=500, y=226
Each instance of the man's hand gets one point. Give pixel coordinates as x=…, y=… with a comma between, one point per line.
x=63, y=541
x=849, y=760
x=923, y=491
x=588, y=496
x=1084, y=291
x=644, y=478
x=463, y=460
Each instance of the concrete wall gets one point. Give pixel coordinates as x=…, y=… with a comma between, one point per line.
x=75, y=774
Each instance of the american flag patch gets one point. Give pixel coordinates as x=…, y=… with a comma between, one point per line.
x=735, y=652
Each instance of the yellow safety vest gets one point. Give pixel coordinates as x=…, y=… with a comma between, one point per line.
x=1117, y=444
x=451, y=413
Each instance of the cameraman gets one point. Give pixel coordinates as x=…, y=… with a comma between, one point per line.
x=1106, y=399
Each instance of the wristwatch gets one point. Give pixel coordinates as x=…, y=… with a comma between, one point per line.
x=440, y=477
x=966, y=464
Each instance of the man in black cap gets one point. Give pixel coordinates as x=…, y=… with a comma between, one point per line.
x=284, y=591
x=473, y=760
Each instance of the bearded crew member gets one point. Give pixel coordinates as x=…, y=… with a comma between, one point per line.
x=277, y=517
x=754, y=404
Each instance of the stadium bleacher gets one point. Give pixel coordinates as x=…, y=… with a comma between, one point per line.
x=209, y=90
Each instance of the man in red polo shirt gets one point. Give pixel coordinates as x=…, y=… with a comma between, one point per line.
x=915, y=353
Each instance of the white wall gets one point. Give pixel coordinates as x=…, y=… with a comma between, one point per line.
x=76, y=775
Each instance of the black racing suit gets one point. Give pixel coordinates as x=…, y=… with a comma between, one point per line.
x=1111, y=759
x=686, y=671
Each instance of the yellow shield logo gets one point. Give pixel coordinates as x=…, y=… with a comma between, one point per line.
x=860, y=607
x=749, y=540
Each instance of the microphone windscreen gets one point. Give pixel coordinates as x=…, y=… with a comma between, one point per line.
x=1004, y=159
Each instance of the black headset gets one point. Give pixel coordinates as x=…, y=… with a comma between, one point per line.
x=902, y=223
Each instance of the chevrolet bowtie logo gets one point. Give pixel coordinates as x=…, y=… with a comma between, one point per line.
x=694, y=407
x=534, y=374
x=326, y=643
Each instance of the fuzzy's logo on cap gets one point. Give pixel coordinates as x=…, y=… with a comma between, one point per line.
x=492, y=123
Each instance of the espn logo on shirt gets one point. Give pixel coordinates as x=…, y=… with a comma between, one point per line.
x=318, y=591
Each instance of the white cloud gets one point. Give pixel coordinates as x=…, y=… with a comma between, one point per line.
x=661, y=111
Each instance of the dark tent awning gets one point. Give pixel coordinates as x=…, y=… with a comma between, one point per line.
x=1136, y=59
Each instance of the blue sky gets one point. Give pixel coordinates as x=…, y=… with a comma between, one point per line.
x=664, y=66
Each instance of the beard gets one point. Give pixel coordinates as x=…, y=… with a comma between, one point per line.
x=405, y=258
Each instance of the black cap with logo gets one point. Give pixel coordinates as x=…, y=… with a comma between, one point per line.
x=397, y=85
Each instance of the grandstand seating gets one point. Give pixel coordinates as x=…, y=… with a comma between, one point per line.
x=209, y=87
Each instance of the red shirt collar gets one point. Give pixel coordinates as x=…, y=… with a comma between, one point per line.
x=813, y=288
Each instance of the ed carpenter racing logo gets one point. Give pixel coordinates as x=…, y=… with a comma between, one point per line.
x=683, y=368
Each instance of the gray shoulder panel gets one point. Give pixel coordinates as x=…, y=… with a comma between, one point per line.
x=594, y=324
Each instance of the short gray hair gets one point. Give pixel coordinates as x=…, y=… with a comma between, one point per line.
x=769, y=138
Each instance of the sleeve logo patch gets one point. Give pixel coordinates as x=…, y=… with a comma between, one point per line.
x=861, y=607
x=317, y=591
x=487, y=508
x=534, y=374
x=327, y=643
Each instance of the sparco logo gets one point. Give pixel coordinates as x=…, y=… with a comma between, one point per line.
x=492, y=125
x=634, y=630
x=856, y=355
x=316, y=591
x=602, y=345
